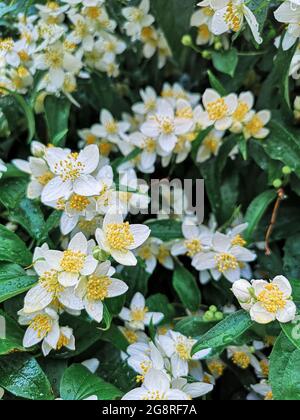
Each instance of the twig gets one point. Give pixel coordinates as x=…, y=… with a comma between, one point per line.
x=281, y=196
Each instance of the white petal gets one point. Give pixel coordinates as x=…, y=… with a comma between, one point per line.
x=141, y=233
x=260, y=315
x=87, y=186
x=287, y=314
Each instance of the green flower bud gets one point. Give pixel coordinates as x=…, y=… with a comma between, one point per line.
x=277, y=183
x=187, y=40
x=286, y=170
x=100, y=255
x=219, y=316
x=209, y=316
x=206, y=54
x=213, y=309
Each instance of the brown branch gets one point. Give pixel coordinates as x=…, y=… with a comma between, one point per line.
x=280, y=197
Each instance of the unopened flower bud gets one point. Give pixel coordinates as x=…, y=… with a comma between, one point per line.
x=187, y=40
x=277, y=183
x=99, y=254
x=286, y=170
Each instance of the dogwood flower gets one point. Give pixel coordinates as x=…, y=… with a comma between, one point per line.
x=110, y=129
x=76, y=261
x=266, y=301
x=210, y=146
x=119, y=238
x=224, y=258
x=218, y=110
x=165, y=126
x=137, y=19
x=72, y=173
x=98, y=286
x=255, y=125
x=156, y=386
x=138, y=316
x=289, y=13
x=179, y=349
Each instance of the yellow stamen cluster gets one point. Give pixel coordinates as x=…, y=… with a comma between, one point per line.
x=93, y=12
x=130, y=335
x=6, y=45
x=145, y=252
x=62, y=342
x=79, y=203
x=45, y=178
x=139, y=379
x=232, y=17
x=119, y=236
x=183, y=350
x=54, y=58
x=49, y=280
x=163, y=254
x=24, y=56
x=241, y=359
x=42, y=324
x=105, y=148
x=61, y=204
x=111, y=127
x=269, y=396
x=226, y=262
x=217, y=110
x=69, y=169
x=241, y=111
x=254, y=126
x=150, y=145
x=193, y=246
x=265, y=368
x=90, y=139
x=73, y=261
x=211, y=143
x=203, y=31
x=272, y=298
x=154, y=396
x=97, y=287
x=167, y=126
x=138, y=314
x=186, y=113
x=52, y=5
x=238, y=241
x=208, y=11
x=216, y=367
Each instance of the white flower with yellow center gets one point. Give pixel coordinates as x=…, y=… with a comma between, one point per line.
x=143, y=357
x=150, y=37
x=254, y=125
x=119, y=238
x=289, y=13
x=230, y=16
x=196, y=240
x=3, y=168
x=156, y=386
x=225, y=258
x=149, y=148
x=137, y=19
x=178, y=348
x=42, y=327
x=49, y=290
x=266, y=301
x=202, y=20
x=66, y=340
x=82, y=32
x=109, y=128
x=8, y=52
x=112, y=47
x=210, y=145
x=72, y=173
x=173, y=93
x=52, y=12
x=138, y=316
x=97, y=287
x=76, y=261
x=149, y=253
x=261, y=391
x=243, y=357
x=245, y=105
x=218, y=110
x=165, y=126
x=149, y=104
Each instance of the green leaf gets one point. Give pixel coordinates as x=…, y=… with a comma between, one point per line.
x=226, y=61
x=291, y=261
x=166, y=230
x=175, y=23
x=57, y=112
x=136, y=279
x=260, y=10
x=12, y=190
x=295, y=283
x=198, y=142
x=13, y=249
x=14, y=281
x=30, y=216
x=193, y=326
x=52, y=223
x=186, y=288
x=216, y=84
x=285, y=370
x=11, y=335
x=78, y=383
x=21, y=375
x=226, y=332
x=283, y=145
x=160, y=303
x=256, y=210
x=292, y=331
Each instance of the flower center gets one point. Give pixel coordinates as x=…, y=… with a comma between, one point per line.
x=24, y=56
x=193, y=246
x=269, y=396
x=78, y=202
x=63, y=341
x=217, y=110
x=226, y=262
x=241, y=111
x=131, y=336
x=154, y=396
x=241, y=359
x=272, y=298
x=93, y=12
x=254, y=126
x=81, y=29
x=54, y=58
x=46, y=178
x=138, y=314
x=88, y=226
x=105, y=149
x=137, y=15
x=183, y=351
x=216, y=367
x=238, y=241
x=42, y=324
x=145, y=252
x=6, y=45
x=232, y=17
x=97, y=287
x=52, y=5
x=49, y=280
x=69, y=169
x=148, y=33
x=167, y=126
x=163, y=254
x=264, y=365
x=211, y=143
x=208, y=11
x=119, y=236
x=111, y=127
x=73, y=261
x=186, y=113
x=150, y=145
x=203, y=31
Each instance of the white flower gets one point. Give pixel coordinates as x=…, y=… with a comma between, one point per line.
x=110, y=129
x=243, y=357
x=289, y=12
x=98, y=286
x=202, y=20
x=149, y=148
x=194, y=389
x=196, y=238
x=175, y=92
x=3, y=168
x=165, y=127
x=218, y=110
x=156, y=386
x=230, y=15
x=119, y=239
x=82, y=32
x=242, y=291
x=143, y=357
x=255, y=125
x=149, y=253
x=138, y=316
x=225, y=258
x=66, y=339
x=137, y=19
x=72, y=173
x=210, y=146
x=178, y=348
x=132, y=196
x=8, y=52
x=245, y=105
x=263, y=389
x=76, y=261
x=52, y=12
x=149, y=104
